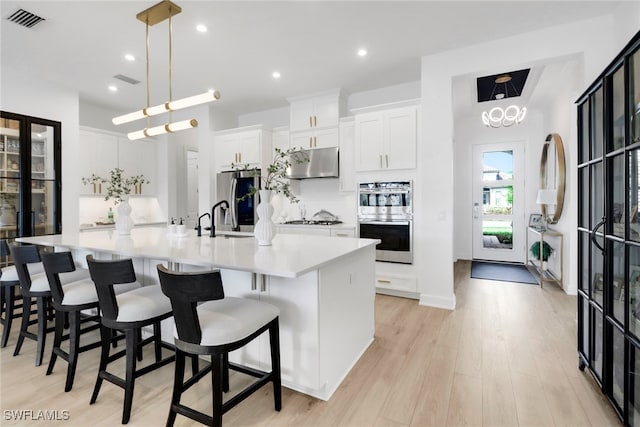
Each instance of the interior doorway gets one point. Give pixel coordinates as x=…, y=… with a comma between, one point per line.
x=192, y=188
x=498, y=202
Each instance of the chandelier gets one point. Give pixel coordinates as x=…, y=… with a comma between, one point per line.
x=151, y=16
x=499, y=116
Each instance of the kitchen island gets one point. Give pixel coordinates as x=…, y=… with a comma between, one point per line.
x=324, y=287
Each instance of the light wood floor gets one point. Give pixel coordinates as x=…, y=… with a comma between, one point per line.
x=505, y=357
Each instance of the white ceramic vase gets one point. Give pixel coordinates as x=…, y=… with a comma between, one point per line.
x=265, y=229
x=124, y=223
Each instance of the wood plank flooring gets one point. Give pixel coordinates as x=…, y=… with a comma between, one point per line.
x=505, y=357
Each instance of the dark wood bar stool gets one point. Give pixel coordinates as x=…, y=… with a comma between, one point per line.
x=129, y=312
x=36, y=287
x=10, y=300
x=69, y=301
x=216, y=327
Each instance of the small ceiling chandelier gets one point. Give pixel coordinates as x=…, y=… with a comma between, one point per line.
x=151, y=16
x=499, y=116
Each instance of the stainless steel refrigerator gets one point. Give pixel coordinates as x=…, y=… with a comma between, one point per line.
x=232, y=186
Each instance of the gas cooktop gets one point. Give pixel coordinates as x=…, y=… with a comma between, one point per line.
x=313, y=222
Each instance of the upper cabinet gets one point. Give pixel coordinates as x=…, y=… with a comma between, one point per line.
x=314, y=120
x=347, y=161
x=101, y=152
x=386, y=139
x=236, y=148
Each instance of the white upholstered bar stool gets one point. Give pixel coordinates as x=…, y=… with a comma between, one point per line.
x=216, y=327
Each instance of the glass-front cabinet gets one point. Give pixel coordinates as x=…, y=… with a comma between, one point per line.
x=609, y=232
x=30, y=174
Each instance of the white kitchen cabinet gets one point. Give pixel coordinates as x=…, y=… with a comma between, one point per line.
x=139, y=157
x=323, y=138
x=315, y=111
x=386, y=139
x=319, y=230
x=396, y=282
x=280, y=139
x=347, y=155
x=97, y=154
x=240, y=147
x=343, y=232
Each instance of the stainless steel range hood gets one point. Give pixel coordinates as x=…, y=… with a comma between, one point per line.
x=323, y=163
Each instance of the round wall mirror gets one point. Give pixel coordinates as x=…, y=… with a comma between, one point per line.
x=552, y=177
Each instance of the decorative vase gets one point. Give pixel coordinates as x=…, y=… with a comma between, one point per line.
x=265, y=229
x=124, y=223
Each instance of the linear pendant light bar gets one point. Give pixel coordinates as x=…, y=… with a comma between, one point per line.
x=151, y=16
x=162, y=129
x=179, y=104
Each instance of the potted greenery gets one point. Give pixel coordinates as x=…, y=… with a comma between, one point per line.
x=546, y=251
x=273, y=181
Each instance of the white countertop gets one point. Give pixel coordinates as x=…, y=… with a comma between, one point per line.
x=289, y=256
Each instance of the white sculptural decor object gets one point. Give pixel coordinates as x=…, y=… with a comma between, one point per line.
x=265, y=229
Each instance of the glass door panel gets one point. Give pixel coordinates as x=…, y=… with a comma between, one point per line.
x=634, y=289
x=618, y=367
x=634, y=195
x=9, y=177
x=583, y=339
x=597, y=276
x=616, y=254
x=597, y=195
x=596, y=358
x=43, y=179
x=583, y=182
x=633, y=395
x=598, y=124
x=618, y=195
x=583, y=251
x=634, y=97
x=617, y=84
x=584, y=130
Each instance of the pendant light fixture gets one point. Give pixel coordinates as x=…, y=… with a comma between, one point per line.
x=499, y=116
x=151, y=16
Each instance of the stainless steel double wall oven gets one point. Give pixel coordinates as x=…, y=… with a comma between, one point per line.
x=385, y=212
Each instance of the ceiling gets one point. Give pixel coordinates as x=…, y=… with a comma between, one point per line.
x=81, y=45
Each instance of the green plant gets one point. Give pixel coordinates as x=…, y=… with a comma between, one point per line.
x=275, y=178
x=118, y=186
x=546, y=250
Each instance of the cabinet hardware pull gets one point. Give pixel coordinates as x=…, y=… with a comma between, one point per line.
x=310, y=121
x=342, y=235
x=240, y=157
x=310, y=142
x=380, y=161
x=315, y=141
x=253, y=282
x=386, y=156
x=383, y=281
x=263, y=283
x=315, y=121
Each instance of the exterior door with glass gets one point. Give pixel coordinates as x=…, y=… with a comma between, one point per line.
x=498, y=205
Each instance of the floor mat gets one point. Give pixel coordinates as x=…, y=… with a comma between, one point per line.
x=502, y=272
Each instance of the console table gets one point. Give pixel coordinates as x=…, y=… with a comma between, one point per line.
x=537, y=266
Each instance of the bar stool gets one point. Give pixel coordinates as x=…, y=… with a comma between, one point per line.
x=216, y=327
x=9, y=283
x=129, y=312
x=69, y=301
x=36, y=287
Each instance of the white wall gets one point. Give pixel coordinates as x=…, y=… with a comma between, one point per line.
x=592, y=37
x=23, y=94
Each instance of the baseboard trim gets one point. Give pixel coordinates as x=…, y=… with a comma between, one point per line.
x=438, y=302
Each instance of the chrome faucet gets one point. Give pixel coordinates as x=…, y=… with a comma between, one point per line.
x=199, y=227
x=224, y=205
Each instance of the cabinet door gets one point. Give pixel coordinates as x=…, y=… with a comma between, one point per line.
x=325, y=112
x=326, y=138
x=225, y=152
x=401, y=138
x=343, y=232
x=319, y=230
x=99, y=154
x=302, y=140
x=301, y=115
x=369, y=142
x=281, y=140
x=139, y=158
x=249, y=147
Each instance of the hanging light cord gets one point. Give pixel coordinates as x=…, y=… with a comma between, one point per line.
x=148, y=97
x=170, y=67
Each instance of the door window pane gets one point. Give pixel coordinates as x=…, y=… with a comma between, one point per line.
x=583, y=180
x=596, y=359
x=616, y=250
x=618, y=110
x=583, y=251
x=583, y=341
x=634, y=97
x=497, y=234
x=497, y=165
x=597, y=278
x=618, y=195
x=634, y=290
x=634, y=386
x=618, y=367
x=598, y=126
x=597, y=196
x=497, y=200
x=584, y=121
x=634, y=195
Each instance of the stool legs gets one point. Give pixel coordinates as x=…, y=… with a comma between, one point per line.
x=274, y=342
x=9, y=300
x=217, y=376
x=177, y=386
x=105, y=337
x=24, y=324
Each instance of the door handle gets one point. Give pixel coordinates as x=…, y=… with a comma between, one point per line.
x=593, y=233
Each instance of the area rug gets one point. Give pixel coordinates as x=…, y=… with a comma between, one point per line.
x=502, y=272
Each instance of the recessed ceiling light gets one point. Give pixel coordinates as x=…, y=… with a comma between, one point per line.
x=113, y=88
x=129, y=57
x=362, y=52
x=275, y=74
x=202, y=28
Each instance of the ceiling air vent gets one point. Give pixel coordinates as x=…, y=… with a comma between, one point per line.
x=24, y=18
x=126, y=79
